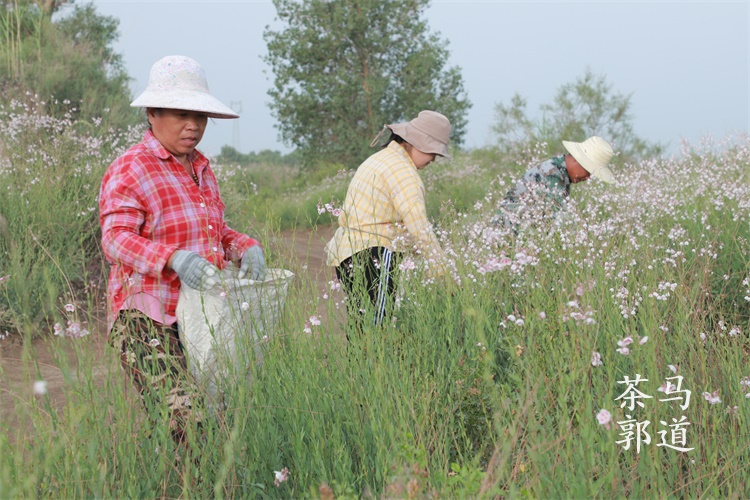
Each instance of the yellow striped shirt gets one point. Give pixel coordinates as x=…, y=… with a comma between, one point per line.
x=385, y=207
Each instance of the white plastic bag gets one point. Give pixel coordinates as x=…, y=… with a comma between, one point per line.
x=222, y=328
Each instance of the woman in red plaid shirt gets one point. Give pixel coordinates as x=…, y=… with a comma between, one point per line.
x=163, y=227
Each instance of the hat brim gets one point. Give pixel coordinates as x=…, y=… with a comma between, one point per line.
x=188, y=100
x=423, y=142
x=601, y=172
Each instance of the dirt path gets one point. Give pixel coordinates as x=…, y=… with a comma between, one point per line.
x=305, y=251
x=300, y=251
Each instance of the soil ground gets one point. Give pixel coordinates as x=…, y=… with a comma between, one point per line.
x=302, y=251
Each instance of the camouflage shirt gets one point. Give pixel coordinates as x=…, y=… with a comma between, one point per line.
x=548, y=179
x=546, y=184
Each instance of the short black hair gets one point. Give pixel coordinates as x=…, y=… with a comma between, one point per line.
x=394, y=137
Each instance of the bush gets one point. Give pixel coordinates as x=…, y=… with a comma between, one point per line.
x=50, y=175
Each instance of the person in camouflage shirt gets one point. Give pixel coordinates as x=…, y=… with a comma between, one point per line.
x=543, y=189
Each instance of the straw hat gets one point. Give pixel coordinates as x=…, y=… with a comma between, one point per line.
x=593, y=154
x=179, y=82
x=429, y=132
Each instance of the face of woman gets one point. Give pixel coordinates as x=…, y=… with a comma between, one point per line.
x=420, y=159
x=575, y=171
x=179, y=131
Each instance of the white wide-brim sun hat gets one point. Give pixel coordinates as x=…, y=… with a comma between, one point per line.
x=594, y=155
x=179, y=82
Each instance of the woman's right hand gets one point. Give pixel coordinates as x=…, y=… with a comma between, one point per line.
x=193, y=270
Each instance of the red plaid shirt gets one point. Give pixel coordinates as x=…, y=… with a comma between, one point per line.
x=148, y=208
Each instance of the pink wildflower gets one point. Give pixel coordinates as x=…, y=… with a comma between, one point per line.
x=494, y=264
x=407, y=265
x=70, y=308
x=73, y=330
x=280, y=476
x=605, y=418
x=314, y=320
x=667, y=387
x=596, y=359
x=712, y=398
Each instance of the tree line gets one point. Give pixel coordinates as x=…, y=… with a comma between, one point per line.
x=68, y=62
x=341, y=70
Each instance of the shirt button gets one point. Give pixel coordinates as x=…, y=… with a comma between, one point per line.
x=203, y=205
x=210, y=226
x=216, y=249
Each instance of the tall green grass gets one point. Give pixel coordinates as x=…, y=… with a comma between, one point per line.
x=50, y=173
x=481, y=386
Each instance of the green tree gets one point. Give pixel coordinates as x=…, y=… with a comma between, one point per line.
x=48, y=7
x=580, y=109
x=266, y=156
x=68, y=61
x=343, y=68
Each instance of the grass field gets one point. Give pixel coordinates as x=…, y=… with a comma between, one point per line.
x=521, y=375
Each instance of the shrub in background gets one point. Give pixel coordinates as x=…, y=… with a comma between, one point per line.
x=69, y=57
x=50, y=172
x=588, y=106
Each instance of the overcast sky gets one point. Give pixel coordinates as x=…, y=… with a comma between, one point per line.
x=686, y=63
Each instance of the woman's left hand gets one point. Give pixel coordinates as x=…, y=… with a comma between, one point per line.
x=255, y=262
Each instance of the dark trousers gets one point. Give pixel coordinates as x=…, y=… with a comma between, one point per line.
x=368, y=280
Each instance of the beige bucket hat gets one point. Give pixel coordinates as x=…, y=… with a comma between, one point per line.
x=594, y=155
x=179, y=82
x=429, y=132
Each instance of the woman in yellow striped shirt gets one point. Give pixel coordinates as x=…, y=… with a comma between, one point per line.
x=384, y=215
